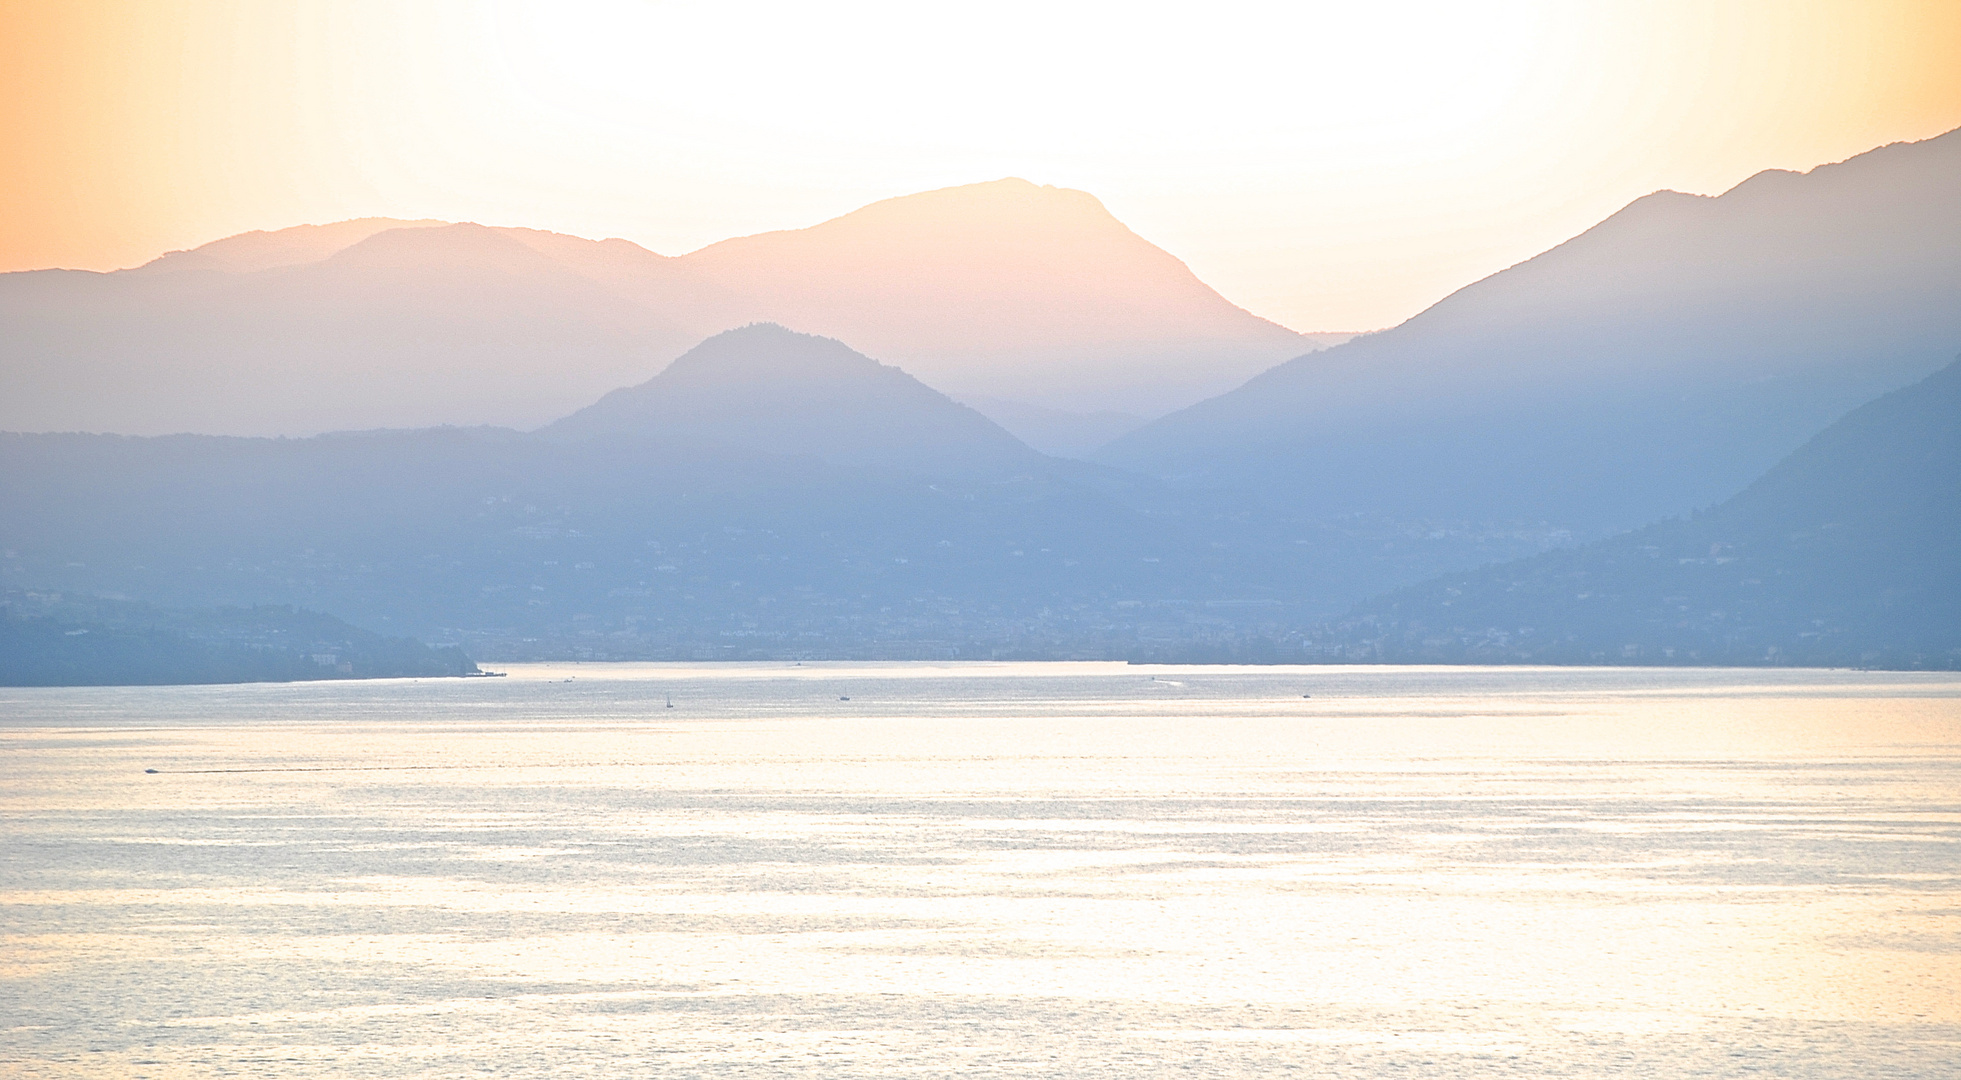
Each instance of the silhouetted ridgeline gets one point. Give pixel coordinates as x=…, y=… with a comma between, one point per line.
x=1002, y=290
x=51, y=640
x=777, y=495
x=1656, y=363
x=1848, y=553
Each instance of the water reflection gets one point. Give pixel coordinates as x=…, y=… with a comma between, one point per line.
x=1035, y=870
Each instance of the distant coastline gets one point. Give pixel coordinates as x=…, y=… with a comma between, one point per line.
x=53, y=640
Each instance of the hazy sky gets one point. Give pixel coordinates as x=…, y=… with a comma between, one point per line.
x=1328, y=165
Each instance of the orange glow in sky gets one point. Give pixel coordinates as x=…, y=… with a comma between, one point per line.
x=1328, y=165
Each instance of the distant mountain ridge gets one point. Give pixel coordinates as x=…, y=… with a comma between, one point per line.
x=1003, y=289
x=774, y=493
x=1847, y=553
x=946, y=283
x=1655, y=363
x=739, y=506
x=262, y=249
x=403, y=328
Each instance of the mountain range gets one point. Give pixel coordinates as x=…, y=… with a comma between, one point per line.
x=1843, y=554
x=770, y=493
x=1006, y=290
x=1652, y=365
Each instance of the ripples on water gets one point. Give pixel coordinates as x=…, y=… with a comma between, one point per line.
x=1065, y=870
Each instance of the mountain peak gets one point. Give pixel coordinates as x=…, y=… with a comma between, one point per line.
x=980, y=208
x=765, y=389
x=767, y=350
x=445, y=248
x=1005, y=289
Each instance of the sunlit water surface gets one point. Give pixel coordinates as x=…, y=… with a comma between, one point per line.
x=1057, y=870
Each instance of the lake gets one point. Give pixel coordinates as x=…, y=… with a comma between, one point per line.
x=1020, y=870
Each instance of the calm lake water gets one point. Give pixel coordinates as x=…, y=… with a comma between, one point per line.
x=1042, y=870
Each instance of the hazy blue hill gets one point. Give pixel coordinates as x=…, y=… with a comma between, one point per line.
x=1848, y=552
x=641, y=546
x=628, y=545
x=1658, y=362
x=52, y=640
x=764, y=390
